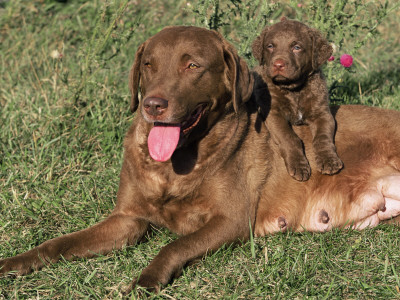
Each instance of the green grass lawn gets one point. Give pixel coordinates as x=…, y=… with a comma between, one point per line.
x=64, y=110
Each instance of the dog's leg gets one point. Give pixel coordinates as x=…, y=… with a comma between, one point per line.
x=379, y=203
x=326, y=158
x=390, y=188
x=112, y=233
x=290, y=147
x=173, y=257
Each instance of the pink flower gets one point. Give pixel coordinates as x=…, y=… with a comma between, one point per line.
x=346, y=60
x=331, y=58
x=299, y=5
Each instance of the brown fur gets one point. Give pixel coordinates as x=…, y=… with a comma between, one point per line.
x=290, y=56
x=368, y=141
x=226, y=171
x=188, y=193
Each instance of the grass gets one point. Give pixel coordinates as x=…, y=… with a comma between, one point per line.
x=63, y=121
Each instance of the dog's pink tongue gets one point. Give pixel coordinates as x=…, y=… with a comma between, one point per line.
x=162, y=141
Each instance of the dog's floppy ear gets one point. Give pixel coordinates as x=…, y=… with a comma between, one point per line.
x=239, y=75
x=257, y=47
x=134, y=78
x=321, y=49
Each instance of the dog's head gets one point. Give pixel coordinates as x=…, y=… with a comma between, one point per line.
x=289, y=51
x=187, y=77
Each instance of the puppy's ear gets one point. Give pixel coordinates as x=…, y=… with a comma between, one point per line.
x=134, y=78
x=321, y=49
x=239, y=76
x=257, y=46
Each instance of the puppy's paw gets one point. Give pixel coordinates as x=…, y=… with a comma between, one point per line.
x=299, y=168
x=329, y=164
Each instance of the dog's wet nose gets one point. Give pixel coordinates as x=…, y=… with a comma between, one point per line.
x=155, y=106
x=279, y=64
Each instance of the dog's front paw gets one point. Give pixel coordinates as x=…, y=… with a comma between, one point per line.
x=299, y=168
x=329, y=164
x=14, y=266
x=145, y=285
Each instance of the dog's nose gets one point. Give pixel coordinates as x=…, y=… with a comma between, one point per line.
x=279, y=64
x=155, y=106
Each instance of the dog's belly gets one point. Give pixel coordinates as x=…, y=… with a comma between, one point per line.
x=379, y=201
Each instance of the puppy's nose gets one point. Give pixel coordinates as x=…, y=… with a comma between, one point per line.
x=279, y=64
x=155, y=106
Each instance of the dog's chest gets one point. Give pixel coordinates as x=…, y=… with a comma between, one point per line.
x=173, y=201
x=181, y=215
x=297, y=118
x=294, y=109
x=161, y=185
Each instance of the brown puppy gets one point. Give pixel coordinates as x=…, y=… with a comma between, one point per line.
x=198, y=182
x=290, y=56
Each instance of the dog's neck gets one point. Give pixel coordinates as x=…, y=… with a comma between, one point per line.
x=295, y=86
x=290, y=87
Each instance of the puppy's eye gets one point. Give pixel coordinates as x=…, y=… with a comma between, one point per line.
x=296, y=48
x=270, y=46
x=147, y=65
x=193, y=66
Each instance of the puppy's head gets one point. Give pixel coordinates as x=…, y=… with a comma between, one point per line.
x=187, y=77
x=289, y=51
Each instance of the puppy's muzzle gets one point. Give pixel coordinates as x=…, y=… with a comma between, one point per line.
x=279, y=65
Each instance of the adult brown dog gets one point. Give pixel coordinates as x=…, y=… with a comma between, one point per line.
x=199, y=182
x=224, y=169
x=290, y=56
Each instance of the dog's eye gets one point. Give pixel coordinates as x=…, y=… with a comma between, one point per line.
x=270, y=46
x=296, y=48
x=147, y=65
x=193, y=66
